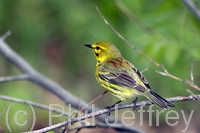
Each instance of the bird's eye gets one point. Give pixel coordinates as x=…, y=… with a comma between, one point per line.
x=97, y=48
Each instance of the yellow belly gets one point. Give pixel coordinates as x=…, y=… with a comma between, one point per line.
x=122, y=93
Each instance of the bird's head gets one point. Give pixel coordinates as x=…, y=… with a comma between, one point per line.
x=104, y=50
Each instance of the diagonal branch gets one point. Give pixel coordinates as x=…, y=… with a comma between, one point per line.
x=165, y=72
x=34, y=104
x=41, y=80
x=190, y=4
x=126, y=41
x=5, y=110
x=185, y=81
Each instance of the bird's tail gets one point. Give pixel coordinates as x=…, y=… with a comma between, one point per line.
x=157, y=99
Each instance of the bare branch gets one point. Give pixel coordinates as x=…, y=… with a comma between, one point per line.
x=190, y=4
x=187, y=82
x=191, y=72
x=34, y=104
x=41, y=80
x=117, y=107
x=96, y=98
x=117, y=127
x=13, y=78
x=7, y=34
x=120, y=36
x=5, y=110
x=144, y=70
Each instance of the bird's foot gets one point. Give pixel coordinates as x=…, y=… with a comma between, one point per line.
x=134, y=102
x=109, y=109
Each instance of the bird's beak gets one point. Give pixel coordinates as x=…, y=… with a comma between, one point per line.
x=89, y=46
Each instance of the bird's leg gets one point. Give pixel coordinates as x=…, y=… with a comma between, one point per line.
x=109, y=107
x=134, y=102
x=116, y=103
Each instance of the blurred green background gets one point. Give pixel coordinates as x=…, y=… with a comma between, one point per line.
x=51, y=34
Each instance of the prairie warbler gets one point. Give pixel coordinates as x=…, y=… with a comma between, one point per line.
x=120, y=77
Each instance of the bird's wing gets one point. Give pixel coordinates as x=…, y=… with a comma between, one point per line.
x=142, y=78
x=121, y=78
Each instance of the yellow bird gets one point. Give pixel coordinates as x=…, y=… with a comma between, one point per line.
x=120, y=77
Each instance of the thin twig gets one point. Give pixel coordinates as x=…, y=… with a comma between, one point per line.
x=144, y=70
x=187, y=82
x=5, y=110
x=6, y=35
x=96, y=98
x=34, y=104
x=105, y=111
x=120, y=36
x=191, y=72
x=13, y=78
x=165, y=72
